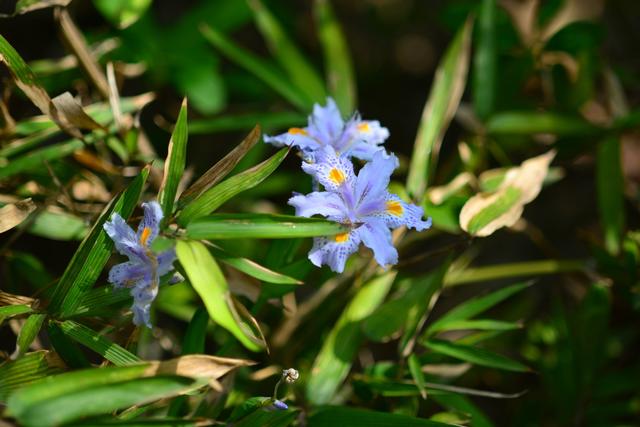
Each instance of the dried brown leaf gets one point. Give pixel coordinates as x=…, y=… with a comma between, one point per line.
x=13, y=214
x=220, y=169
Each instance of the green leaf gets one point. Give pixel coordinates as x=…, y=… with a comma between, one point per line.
x=480, y=325
x=13, y=310
x=122, y=13
x=98, y=343
x=474, y=306
x=174, y=164
x=338, y=65
x=209, y=282
x=27, y=369
x=415, y=368
x=36, y=158
x=610, y=187
x=97, y=299
x=532, y=122
x=66, y=348
x=214, y=197
x=58, y=226
x=334, y=360
x=29, y=332
x=332, y=416
x=475, y=355
x=301, y=73
x=446, y=92
x=258, y=67
x=515, y=269
x=260, y=226
x=94, y=252
x=94, y=399
x=218, y=171
x=253, y=269
x=462, y=404
x=268, y=120
x=262, y=418
x=503, y=205
x=485, y=61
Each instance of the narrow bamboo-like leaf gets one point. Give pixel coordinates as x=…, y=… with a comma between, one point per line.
x=175, y=163
x=98, y=298
x=27, y=369
x=209, y=282
x=26, y=6
x=36, y=158
x=29, y=332
x=66, y=348
x=332, y=416
x=98, y=343
x=287, y=54
x=485, y=60
x=214, y=197
x=610, y=186
x=260, y=226
x=93, y=253
x=533, y=122
x=515, y=270
x=258, y=67
x=101, y=399
x=253, y=269
x=13, y=310
x=464, y=405
x=13, y=214
x=415, y=368
x=338, y=64
x=475, y=306
x=446, y=92
x=334, y=360
x=275, y=120
x=475, y=355
x=122, y=13
x=220, y=169
x=480, y=325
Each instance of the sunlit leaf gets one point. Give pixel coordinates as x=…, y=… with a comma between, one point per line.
x=209, y=282
x=475, y=355
x=13, y=214
x=122, y=13
x=175, y=163
x=446, y=92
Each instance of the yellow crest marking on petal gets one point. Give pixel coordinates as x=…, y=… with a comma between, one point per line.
x=395, y=208
x=364, y=127
x=144, y=236
x=298, y=131
x=336, y=176
x=342, y=237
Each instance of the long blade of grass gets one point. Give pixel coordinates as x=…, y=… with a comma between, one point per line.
x=610, y=186
x=301, y=73
x=27, y=369
x=252, y=268
x=98, y=343
x=214, y=197
x=526, y=123
x=258, y=67
x=260, y=226
x=334, y=360
x=338, y=64
x=29, y=332
x=175, y=163
x=93, y=253
x=446, y=92
x=475, y=355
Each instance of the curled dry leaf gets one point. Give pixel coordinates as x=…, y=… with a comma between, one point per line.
x=14, y=213
x=484, y=213
x=197, y=366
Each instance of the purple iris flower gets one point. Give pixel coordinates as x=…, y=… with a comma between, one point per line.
x=362, y=203
x=143, y=270
x=354, y=138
